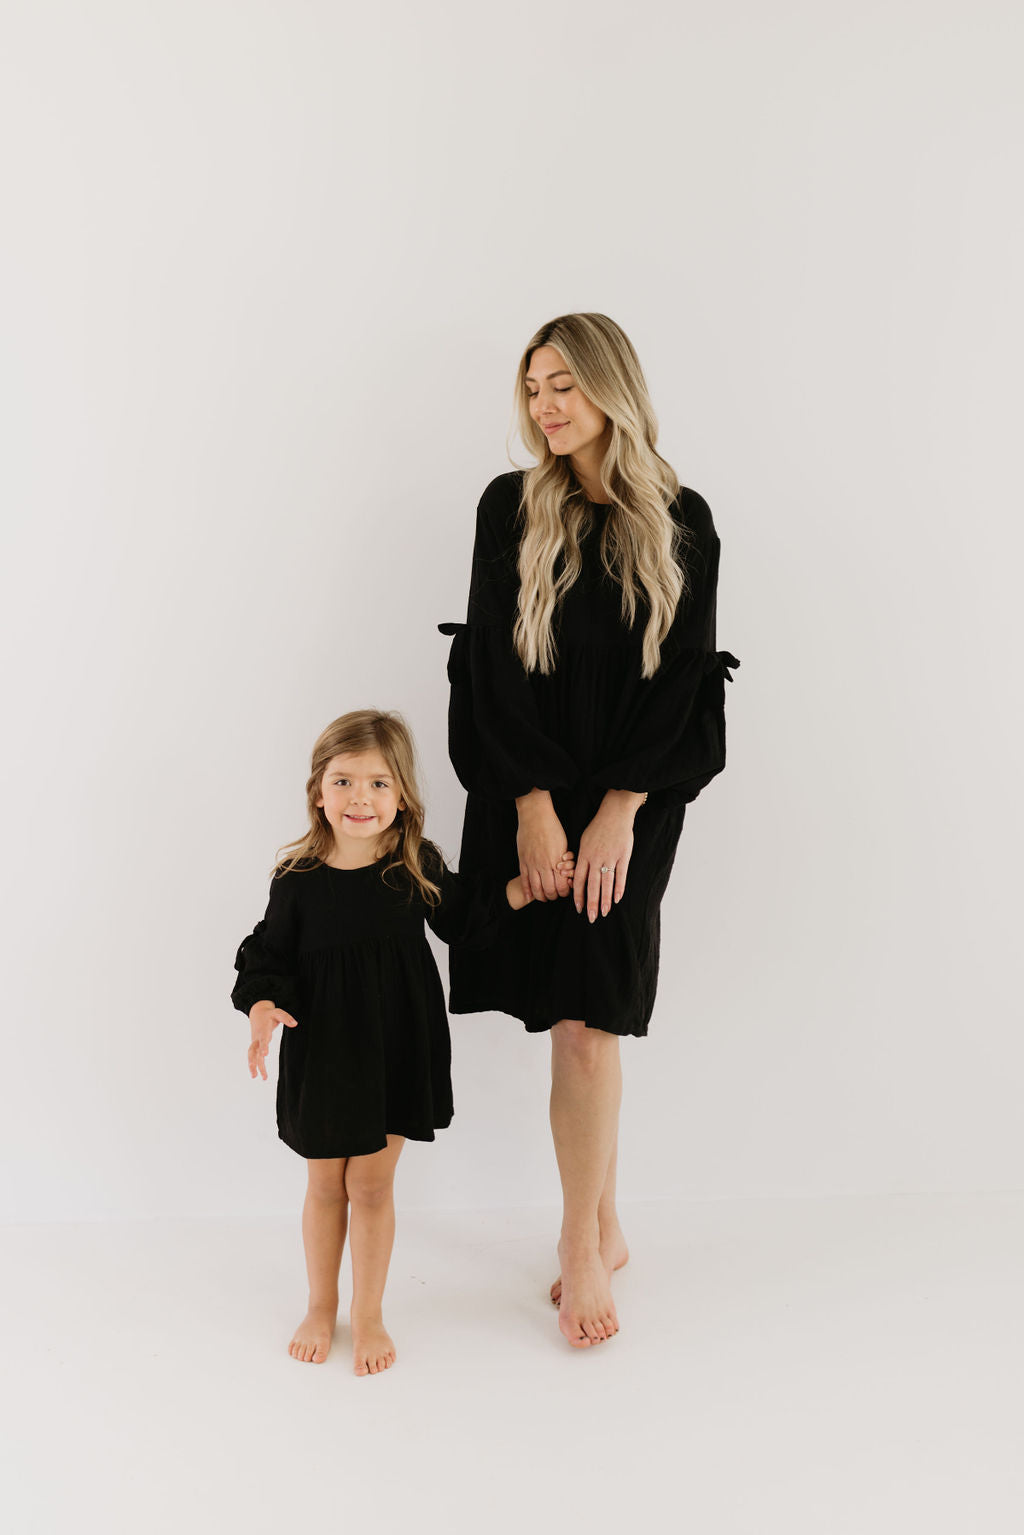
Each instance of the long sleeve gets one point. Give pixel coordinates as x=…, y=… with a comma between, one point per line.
x=266, y=959
x=472, y=912
x=669, y=735
x=498, y=746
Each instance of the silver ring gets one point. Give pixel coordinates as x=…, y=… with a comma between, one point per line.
x=605, y=869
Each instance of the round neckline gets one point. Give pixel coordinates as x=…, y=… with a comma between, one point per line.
x=359, y=868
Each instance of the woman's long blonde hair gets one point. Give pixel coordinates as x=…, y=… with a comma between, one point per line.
x=640, y=541
x=365, y=730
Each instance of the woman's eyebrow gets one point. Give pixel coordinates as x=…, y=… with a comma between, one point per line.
x=557, y=374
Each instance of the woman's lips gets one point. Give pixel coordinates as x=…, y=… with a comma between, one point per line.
x=556, y=428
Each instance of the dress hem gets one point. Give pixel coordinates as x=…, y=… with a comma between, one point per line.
x=363, y=1151
x=540, y=1026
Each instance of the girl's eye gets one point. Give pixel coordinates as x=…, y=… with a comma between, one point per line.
x=378, y=783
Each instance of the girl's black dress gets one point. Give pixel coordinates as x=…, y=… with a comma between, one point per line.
x=593, y=724
x=345, y=952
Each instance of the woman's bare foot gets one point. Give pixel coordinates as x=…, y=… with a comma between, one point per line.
x=312, y=1341
x=586, y=1314
x=614, y=1255
x=372, y=1348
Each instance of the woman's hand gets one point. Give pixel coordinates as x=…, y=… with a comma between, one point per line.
x=605, y=850
x=541, y=843
x=518, y=898
x=264, y=1018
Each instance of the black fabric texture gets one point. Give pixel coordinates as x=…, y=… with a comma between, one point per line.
x=592, y=724
x=345, y=952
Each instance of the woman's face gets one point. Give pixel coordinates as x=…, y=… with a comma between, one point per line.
x=569, y=421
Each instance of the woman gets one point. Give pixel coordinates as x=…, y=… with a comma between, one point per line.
x=586, y=711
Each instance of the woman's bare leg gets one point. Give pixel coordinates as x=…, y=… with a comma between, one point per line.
x=370, y=1183
x=324, y=1219
x=586, y=1090
x=612, y=1243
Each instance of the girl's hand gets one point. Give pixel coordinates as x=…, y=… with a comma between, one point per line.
x=264, y=1018
x=542, y=845
x=605, y=850
x=517, y=899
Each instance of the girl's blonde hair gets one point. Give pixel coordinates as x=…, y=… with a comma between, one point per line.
x=640, y=541
x=365, y=730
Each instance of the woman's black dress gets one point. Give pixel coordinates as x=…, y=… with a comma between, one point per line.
x=345, y=952
x=593, y=724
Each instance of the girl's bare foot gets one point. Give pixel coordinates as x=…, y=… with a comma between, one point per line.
x=372, y=1348
x=586, y=1314
x=614, y=1255
x=312, y=1341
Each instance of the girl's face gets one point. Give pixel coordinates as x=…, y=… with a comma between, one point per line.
x=359, y=796
x=569, y=421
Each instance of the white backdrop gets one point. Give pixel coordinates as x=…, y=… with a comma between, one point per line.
x=268, y=271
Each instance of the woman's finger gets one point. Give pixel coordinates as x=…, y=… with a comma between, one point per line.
x=579, y=883
x=593, y=892
x=620, y=878
x=607, y=888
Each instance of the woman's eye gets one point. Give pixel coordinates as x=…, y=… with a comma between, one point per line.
x=532, y=396
x=564, y=390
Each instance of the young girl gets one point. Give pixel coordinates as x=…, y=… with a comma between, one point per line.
x=341, y=960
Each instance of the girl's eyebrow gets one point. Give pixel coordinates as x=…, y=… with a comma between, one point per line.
x=558, y=374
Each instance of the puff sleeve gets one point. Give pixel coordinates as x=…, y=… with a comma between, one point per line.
x=498, y=746
x=472, y=912
x=265, y=961
x=668, y=737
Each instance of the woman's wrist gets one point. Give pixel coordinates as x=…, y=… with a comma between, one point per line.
x=626, y=801
x=537, y=799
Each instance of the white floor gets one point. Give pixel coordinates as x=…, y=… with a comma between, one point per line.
x=842, y=1367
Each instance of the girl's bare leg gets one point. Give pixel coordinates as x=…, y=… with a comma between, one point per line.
x=586, y=1090
x=612, y=1243
x=324, y=1218
x=369, y=1182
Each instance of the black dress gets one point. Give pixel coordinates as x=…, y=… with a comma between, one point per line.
x=345, y=952
x=593, y=724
